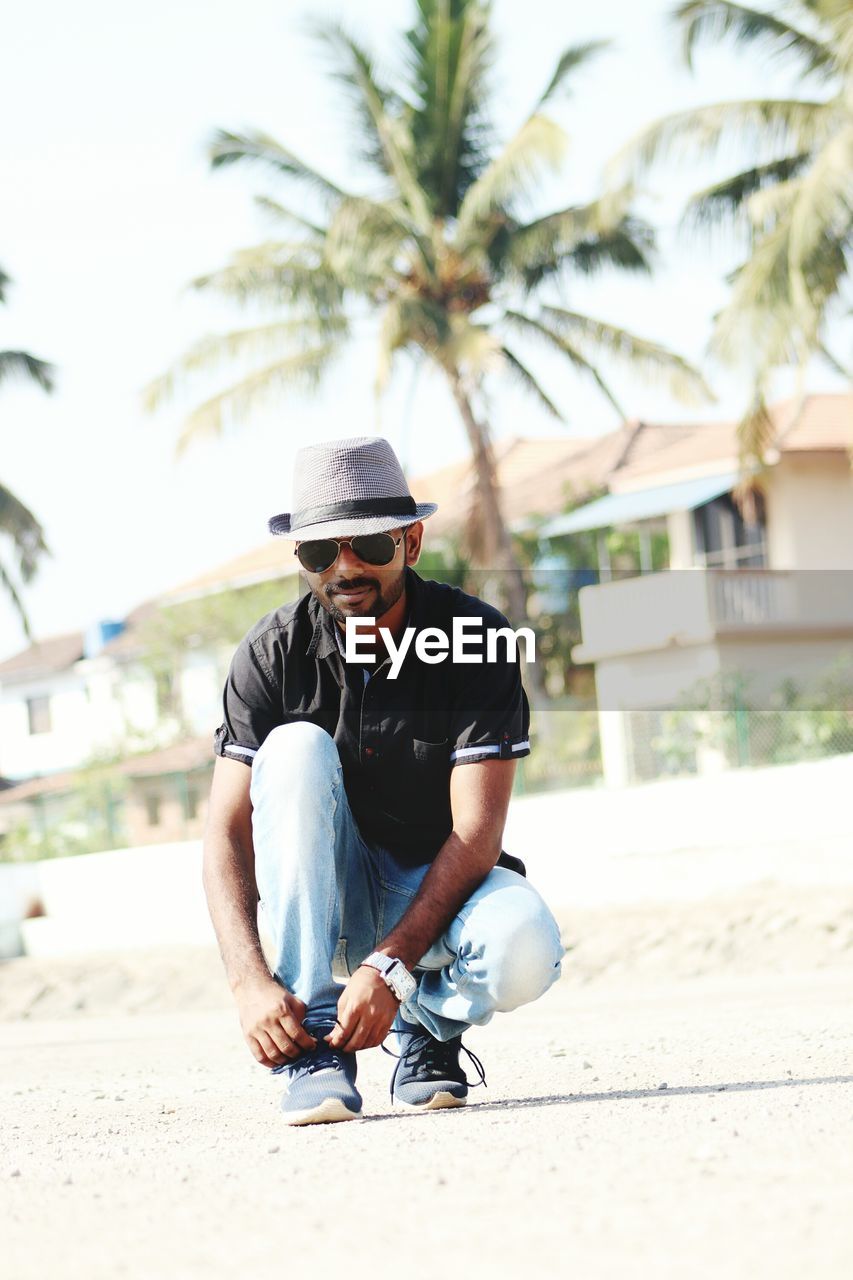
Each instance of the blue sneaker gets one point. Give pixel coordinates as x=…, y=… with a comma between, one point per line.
x=320, y=1084
x=428, y=1075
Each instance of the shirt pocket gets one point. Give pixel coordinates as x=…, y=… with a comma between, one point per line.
x=431, y=755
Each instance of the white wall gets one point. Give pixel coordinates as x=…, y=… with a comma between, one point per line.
x=69, y=741
x=810, y=512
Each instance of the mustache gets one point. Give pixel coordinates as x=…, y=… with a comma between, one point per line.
x=349, y=584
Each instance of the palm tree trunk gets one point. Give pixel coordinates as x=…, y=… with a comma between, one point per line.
x=498, y=551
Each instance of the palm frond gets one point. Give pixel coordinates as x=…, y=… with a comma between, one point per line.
x=449, y=54
x=8, y=585
x=649, y=359
x=280, y=213
x=302, y=371
x=18, y=523
x=355, y=68
x=724, y=203
x=20, y=364
x=254, y=343
x=759, y=318
x=822, y=207
x=390, y=135
x=228, y=148
x=534, y=327
x=278, y=273
x=568, y=62
x=711, y=21
x=792, y=126
x=367, y=239
x=756, y=432
x=5, y=281
x=530, y=383
x=538, y=146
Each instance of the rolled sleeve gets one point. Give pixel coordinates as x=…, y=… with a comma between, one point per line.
x=251, y=707
x=491, y=718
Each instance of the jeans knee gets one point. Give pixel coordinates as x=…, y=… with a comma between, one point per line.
x=296, y=755
x=525, y=955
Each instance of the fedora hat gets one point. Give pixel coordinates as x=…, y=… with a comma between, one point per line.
x=348, y=486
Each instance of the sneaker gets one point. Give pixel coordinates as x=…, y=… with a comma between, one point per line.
x=428, y=1075
x=320, y=1085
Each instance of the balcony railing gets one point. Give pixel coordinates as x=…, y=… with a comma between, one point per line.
x=695, y=606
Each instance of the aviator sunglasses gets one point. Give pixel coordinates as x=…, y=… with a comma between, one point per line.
x=319, y=554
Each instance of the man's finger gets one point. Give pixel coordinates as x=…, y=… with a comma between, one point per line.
x=296, y=1032
x=258, y=1053
x=347, y=1037
x=282, y=1041
x=270, y=1048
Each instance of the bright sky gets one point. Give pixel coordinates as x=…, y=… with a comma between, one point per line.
x=109, y=208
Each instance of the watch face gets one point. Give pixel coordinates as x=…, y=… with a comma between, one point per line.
x=403, y=983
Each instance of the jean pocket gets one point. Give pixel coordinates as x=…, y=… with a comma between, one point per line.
x=340, y=964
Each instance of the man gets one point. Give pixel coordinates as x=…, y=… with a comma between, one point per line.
x=367, y=811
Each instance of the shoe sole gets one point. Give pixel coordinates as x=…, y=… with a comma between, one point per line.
x=438, y=1102
x=329, y=1111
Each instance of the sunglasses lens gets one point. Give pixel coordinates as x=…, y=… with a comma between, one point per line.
x=318, y=555
x=374, y=548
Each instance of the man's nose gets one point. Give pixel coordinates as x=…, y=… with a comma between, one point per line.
x=347, y=560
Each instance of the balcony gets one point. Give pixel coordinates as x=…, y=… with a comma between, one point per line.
x=688, y=607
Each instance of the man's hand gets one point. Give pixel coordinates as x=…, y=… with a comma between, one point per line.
x=366, y=1010
x=271, y=1018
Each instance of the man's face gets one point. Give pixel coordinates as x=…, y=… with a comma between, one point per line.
x=352, y=588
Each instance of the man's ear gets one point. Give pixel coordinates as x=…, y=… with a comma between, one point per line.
x=413, y=539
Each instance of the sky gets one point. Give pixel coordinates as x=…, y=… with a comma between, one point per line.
x=108, y=209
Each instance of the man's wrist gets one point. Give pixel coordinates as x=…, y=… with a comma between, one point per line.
x=394, y=973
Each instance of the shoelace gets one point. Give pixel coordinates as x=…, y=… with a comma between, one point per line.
x=437, y=1058
x=310, y=1061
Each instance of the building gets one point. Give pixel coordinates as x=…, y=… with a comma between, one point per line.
x=764, y=603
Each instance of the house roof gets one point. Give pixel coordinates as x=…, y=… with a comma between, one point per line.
x=640, y=504
x=43, y=658
x=659, y=452
x=273, y=559
x=180, y=757
x=537, y=477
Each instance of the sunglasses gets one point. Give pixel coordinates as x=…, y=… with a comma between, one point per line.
x=319, y=554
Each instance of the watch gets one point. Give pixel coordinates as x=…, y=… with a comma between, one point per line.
x=395, y=974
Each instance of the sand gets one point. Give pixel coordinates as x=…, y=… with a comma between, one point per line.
x=681, y=1104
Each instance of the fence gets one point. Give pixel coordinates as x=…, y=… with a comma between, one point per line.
x=676, y=742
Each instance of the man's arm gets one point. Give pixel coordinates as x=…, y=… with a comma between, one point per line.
x=270, y=1016
x=479, y=800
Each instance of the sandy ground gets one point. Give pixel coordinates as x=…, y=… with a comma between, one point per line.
x=680, y=1105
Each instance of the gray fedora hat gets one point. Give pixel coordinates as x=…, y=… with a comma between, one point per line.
x=348, y=486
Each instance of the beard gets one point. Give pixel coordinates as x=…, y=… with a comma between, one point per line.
x=375, y=604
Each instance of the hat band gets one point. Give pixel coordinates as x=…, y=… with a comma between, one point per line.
x=404, y=505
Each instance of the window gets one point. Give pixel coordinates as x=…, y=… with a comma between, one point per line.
x=152, y=810
x=38, y=715
x=723, y=538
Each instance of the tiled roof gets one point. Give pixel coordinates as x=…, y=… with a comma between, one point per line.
x=43, y=658
x=537, y=477
x=273, y=559
x=180, y=757
x=825, y=422
x=660, y=452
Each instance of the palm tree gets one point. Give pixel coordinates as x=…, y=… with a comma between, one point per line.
x=17, y=522
x=793, y=202
x=439, y=250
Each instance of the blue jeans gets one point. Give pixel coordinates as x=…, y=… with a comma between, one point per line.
x=330, y=898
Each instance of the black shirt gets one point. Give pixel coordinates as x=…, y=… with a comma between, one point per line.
x=398, y=739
